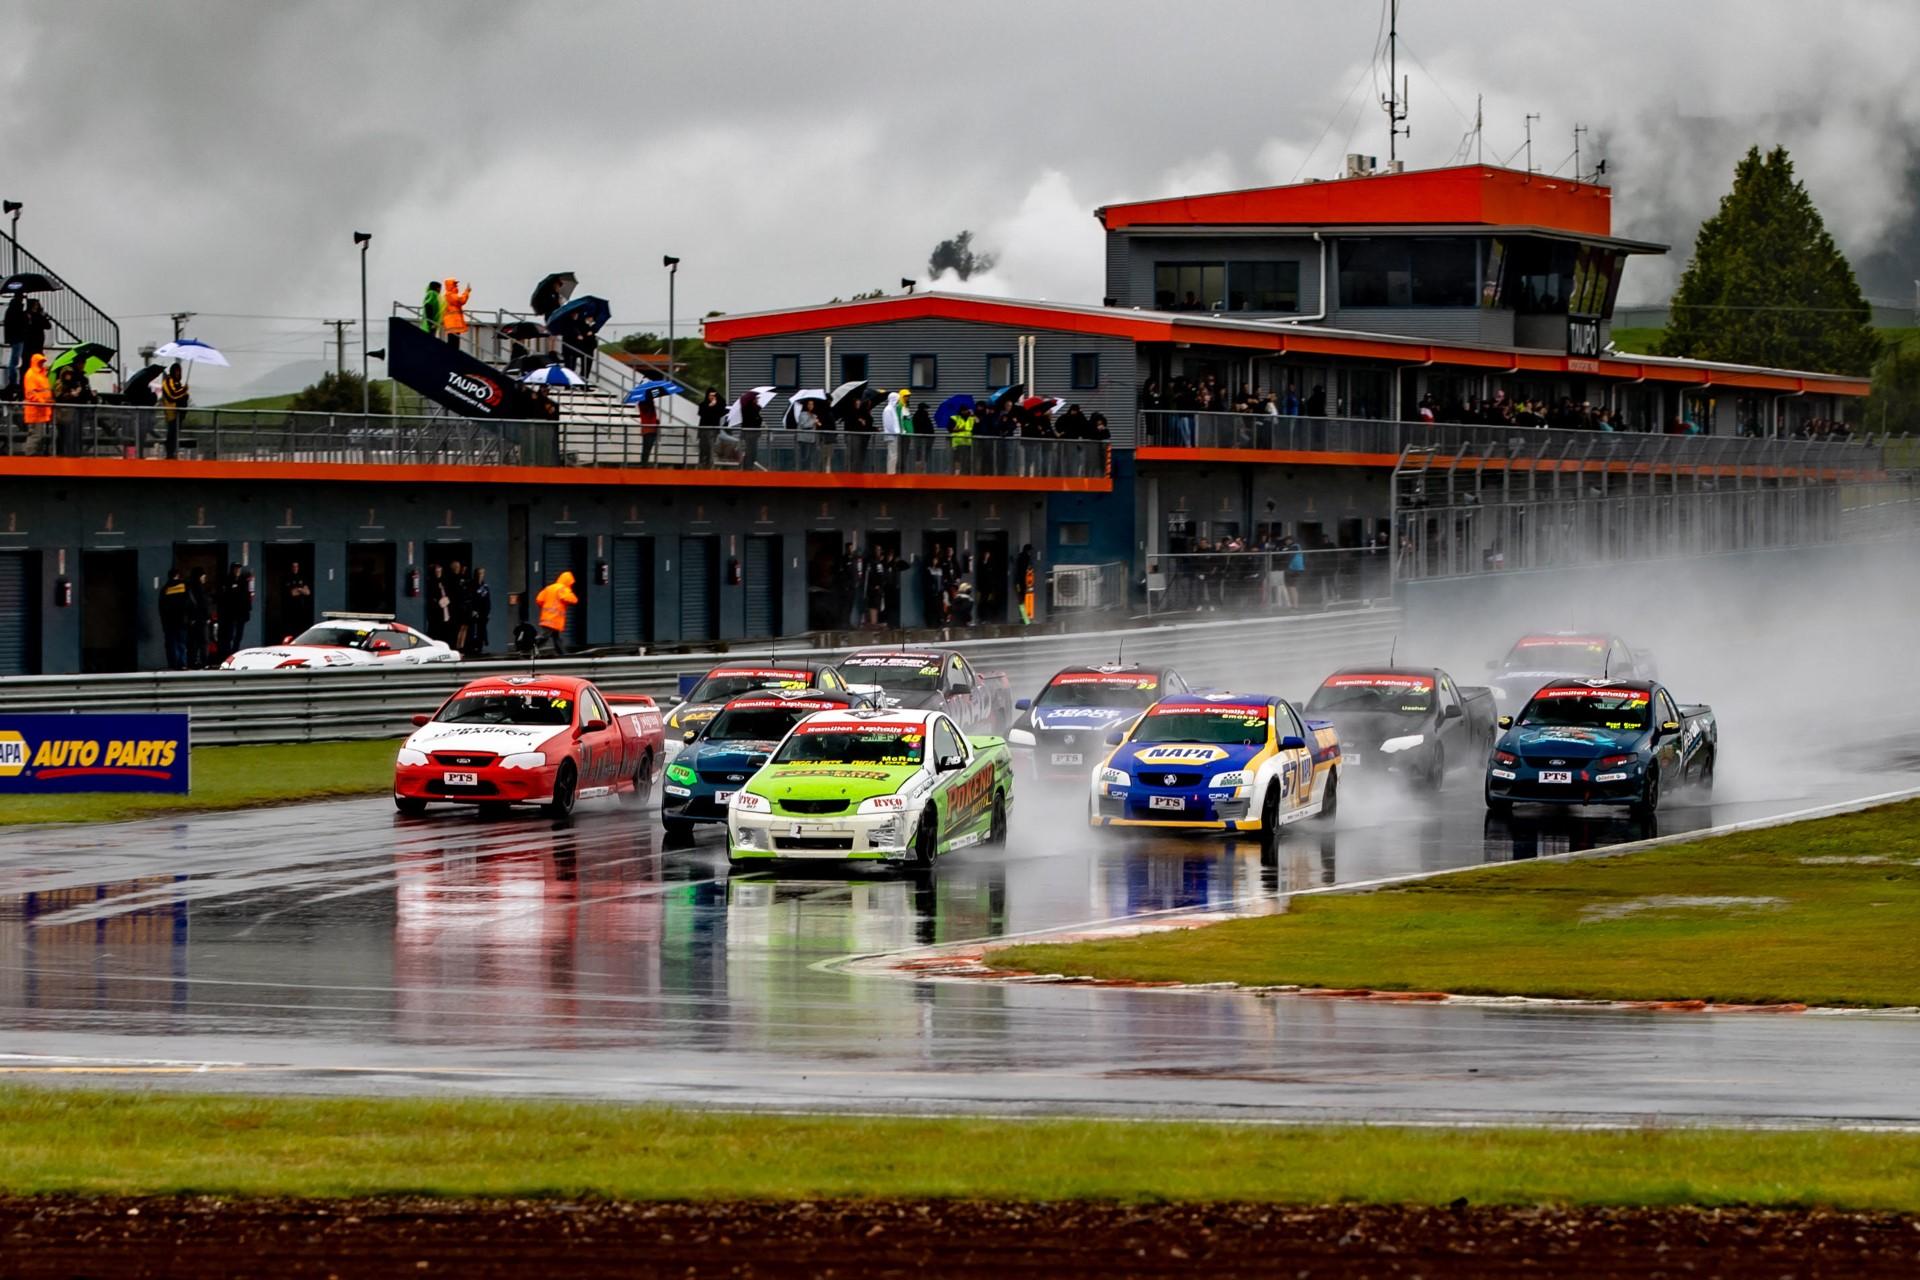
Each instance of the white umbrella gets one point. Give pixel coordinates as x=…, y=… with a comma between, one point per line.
x=554, y=375
x=811, y=393
x=190, y=351
x=761, y=397
x=846, y=389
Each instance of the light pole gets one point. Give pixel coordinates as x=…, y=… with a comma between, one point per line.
x=672, y=264
x=363, y=238
x=12, y=209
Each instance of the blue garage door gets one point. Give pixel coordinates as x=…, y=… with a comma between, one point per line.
x=633, y=591
x=760, y=575
x=699, y=589
x=19, y=615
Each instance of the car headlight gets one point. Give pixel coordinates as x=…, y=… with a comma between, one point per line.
x=750, y=837
x=1405, y=742
x=884, y=836
x=883, y=804
x=747, y=802
x=1236, y=778
x=410, y=757
x=1019, y=738
x=681, y=774
x=525, y=760
x=1115, y=778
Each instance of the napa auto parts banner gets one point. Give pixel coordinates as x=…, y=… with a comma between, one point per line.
x=45, y=755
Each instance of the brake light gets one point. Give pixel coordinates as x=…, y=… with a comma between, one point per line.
x=1613, y=760
x=1505, y=757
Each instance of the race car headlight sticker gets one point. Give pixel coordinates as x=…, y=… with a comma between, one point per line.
x=1405, y=742
x=290, y=662
x=1115, y=778
x=884, y=804
x=680, y=774
x=1236, y=778
x=747, y=802
x=1506, y=757
x=410, y=757
x=885, y=836
x=525, y=760
x=1019, y=738
x=746, y=837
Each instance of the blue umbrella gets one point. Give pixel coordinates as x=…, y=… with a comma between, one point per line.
x=999, y=398
x=654, y=387
x=553, y=375
x=582, y=315
x=949, y=408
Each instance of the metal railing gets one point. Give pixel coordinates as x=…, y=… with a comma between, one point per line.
x=1281, y=655
x=1254, y=431
x=75, y=317
x=250, y=435
x=1272, y=580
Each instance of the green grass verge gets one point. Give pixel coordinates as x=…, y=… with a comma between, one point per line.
x=232, y=778
x=1636, y=341
x=55, y=1141
x=1836, y=930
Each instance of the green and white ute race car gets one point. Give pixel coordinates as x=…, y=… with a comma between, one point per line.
x=877, y=785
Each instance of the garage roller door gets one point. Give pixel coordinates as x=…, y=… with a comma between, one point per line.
x=698, y=590
x=761, y=577
x=19, y=616
x=633, y=590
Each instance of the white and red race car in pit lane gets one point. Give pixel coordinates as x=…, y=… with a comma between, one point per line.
x=538, y=739
x=346, y=640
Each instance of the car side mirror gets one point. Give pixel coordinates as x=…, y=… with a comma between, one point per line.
x=676, y=699
x=1669, y=728
x=949, y=763
x=1292, y=743
x=953, y=689
x=690, y=735
x=1452, y=712
x=1115, y=738
x=594, y=726
x=422, y=718
x=1023, y=704
x=1506, y=722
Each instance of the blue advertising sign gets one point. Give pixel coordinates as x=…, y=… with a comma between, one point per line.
x=44, y=755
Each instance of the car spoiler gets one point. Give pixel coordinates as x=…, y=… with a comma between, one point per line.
x=629, y=704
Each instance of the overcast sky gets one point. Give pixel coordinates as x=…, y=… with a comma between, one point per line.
x=215, y=156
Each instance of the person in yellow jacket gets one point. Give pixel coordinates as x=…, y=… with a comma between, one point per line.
x=37, y=411
x=553, y=601
x=962, y=427
x=453, y=311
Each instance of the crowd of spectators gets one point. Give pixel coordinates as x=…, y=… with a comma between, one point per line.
x=459, y=605
x=862, y=588
x=1276, y=571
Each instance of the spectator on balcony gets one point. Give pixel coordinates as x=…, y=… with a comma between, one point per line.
x=712, y=414
x=432, y=307
x=962, y=430
x=746, y=416
x=37, y=412
x=34, y=326
x=895, y=422
x=649, y=416
x=809, y=420
x=71, y=393
x=173, y=403
x=14, y=329
x=453, y=313
x=856, y=419
x=920, y=441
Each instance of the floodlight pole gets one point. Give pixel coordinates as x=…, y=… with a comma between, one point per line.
x=363, y=238
x=13, y=208
x=672, y=264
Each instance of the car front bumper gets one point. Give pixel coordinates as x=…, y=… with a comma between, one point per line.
x=1610, y=786
x=491, y=785
x=1189, y=808
x=849, y=836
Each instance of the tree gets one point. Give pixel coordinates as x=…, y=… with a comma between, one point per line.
x=339, y=393
x=1767, y=285
x=1894, y=405
x=957, y=255
x=701, y=366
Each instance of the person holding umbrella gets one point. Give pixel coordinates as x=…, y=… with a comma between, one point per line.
x=961, y=427
x=173, y=401
x=14, y=329
x=431, y=308
x=712, y=414
x=453, y=311
x=33, y=332
x=138, y=395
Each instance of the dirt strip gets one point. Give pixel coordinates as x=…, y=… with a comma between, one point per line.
x=400, y=1237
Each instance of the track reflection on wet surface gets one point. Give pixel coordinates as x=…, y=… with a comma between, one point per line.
x=335, y=947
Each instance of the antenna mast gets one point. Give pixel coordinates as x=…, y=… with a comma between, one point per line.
x=1395, y=104
x=1479, y=137
x=1531, y=117
x=1578, y=176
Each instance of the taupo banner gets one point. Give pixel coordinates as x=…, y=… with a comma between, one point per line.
x=43, y=755
x=453, y=378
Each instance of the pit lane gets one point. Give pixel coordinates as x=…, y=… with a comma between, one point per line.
x=335, y=947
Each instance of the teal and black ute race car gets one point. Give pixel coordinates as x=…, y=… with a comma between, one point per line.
x=1601, y=742
x=726, y=751
x=1058, y=735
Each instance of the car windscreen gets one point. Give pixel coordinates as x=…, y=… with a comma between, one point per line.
x=751, y=724
x=343, y=637
x=1242, y=725
x=513, y=706
x=1575, y=657
x=905, y=673
x=881, y=744
x=1386, y=694
x=1092, y=690
x=721, y=686
x=1620, y=709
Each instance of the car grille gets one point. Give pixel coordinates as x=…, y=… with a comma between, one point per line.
x=1555, y=762
x=480, y=788
x=721, y=778
x=468, y=758
x=814, y=844
x=813, y=806
x=1155, y=778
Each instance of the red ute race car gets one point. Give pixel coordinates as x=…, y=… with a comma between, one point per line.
x=545, y=740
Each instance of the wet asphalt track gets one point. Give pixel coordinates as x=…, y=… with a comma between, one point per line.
x=336, y=948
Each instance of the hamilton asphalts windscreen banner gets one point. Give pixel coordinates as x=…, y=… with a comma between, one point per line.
x=44, y=755
x=450, y=377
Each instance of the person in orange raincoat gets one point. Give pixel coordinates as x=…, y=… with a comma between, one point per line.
x=553, y=601
x=37, y=412
x=453, y=313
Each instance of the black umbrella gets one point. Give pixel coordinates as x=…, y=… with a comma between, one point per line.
x=1001, y=398
x=552, y=291
x=523, y=329
x=142, y=378
x=29, y=282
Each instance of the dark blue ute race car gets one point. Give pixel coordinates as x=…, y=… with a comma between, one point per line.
x=1601, y=742
x=729, y=749
x=1061, y=734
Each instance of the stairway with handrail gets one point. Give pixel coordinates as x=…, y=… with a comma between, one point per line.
x=76, y=318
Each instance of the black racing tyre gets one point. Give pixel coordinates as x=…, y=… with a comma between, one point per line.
x=1704, y=779
x=679, y=831
x=1330, y=798
x=411, y=806
x=926, y=839
x=997, y=823
x=1495, y=805
x=1270, y=822
x=642, y=784
x=1649, y=802
x=1436, y=776
x=566, y=789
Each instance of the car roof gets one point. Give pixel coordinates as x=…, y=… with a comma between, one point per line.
x=1202, y=701
x=1383, y=669
x=811, y=666
x=1564, y=635
x=780, y=697
x=898, y=651
x=1624, y=686
x=882, y=715
x=508, y=684
x=1110, y=669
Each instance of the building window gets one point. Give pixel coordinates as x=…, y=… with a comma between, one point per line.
x=786, y=372
x=1086, y=371
x=1409, y=273
x=999, y=372
x=1190, y=286
x=1263, y=286
x=1446, y=273
x=853, y=368
x=1074, y=533
x=923, y=372
x=1373, y=273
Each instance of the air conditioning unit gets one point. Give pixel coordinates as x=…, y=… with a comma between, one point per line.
x=1359, y=166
